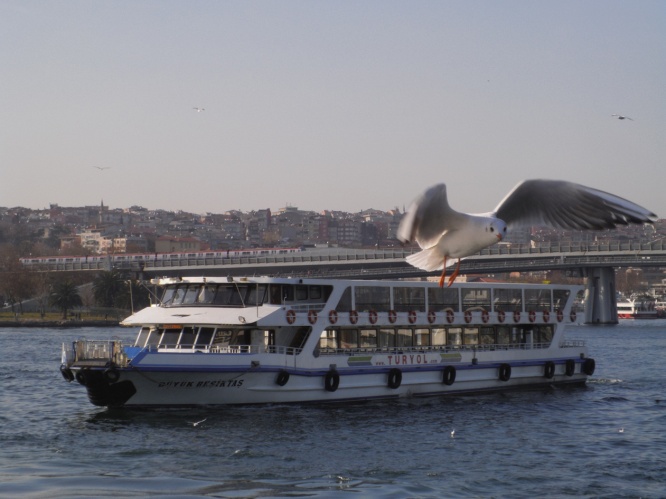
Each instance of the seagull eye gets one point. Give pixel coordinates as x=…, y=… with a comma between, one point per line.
x=492, y=229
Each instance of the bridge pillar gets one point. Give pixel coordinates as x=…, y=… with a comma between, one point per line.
x=600, y=296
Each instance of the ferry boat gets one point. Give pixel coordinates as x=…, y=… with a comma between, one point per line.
x=638, y=309
x=279, y=340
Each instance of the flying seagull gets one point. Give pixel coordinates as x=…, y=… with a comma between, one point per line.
x=102, y=167
x=198, y=109
x=197, y=423
x=620, y=117
x=443, y=233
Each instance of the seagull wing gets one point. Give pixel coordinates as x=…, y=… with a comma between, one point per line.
x=566, y=205
x=429, y=217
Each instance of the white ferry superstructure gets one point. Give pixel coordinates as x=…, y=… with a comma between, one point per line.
x=282, y=340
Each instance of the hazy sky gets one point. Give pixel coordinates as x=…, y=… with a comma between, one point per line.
x=327, y=105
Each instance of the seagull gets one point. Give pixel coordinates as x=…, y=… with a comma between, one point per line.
x=444, y=233
x=197, y=423
x=102, y=167
x=453, y=433
x=621, y=430
x=620, y=117
x=198, y=109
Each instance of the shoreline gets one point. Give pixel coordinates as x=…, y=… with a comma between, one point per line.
x=28, y=323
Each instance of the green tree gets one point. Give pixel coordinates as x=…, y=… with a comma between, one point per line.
x=65, y=296
x=110, y=290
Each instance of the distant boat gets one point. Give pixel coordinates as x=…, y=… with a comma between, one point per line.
x=638, y=309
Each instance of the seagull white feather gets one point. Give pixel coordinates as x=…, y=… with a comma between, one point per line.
x=444, y=233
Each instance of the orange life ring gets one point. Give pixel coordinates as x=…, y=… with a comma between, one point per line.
x=546, y=315
x=291, y=316
x=312, y=316
x=450, y=316
x=560, y=315
x=372, y=316
x=392, y=316
x=532, y=315
x=468, y=316
x=572, y=316
x=501, y=315
x=516, y=316
x=411, y=316
x=333, y=316
x=432, y=316
x=485, y=316
x=353, y=316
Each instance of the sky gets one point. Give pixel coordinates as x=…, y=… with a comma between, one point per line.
x=338, y=105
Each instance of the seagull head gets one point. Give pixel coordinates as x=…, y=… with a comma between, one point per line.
x=497, y=228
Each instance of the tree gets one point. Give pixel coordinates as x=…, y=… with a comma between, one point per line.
x=65, y=296
x=110, y=289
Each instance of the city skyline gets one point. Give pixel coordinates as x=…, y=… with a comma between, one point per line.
x=346, y=106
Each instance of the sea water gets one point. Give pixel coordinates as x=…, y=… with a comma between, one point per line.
x=607, y=439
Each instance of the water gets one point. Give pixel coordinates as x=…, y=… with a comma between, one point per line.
x=554, y=442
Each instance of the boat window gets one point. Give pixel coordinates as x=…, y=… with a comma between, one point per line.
x=349, y=338
x=471, y=336
x=170, y=338
x=404, y=338
x=274, y=293
x=543, y=334
x=178, y=295
x=204, y=337
x=345, y=303
x=503, y=335
x=386, y=338
x=454, y=336
x=443, y=299
x=206, y=294
x=223, y=337
x=191, y=295
x=287, y=293
x=315, y=292
x=560, y=298
x=372, y=298
x=422, y=337
x=487, y=336
x=507, y=299
x=327, y=339
x=154, y=338
x=187, y=337
x=300, y=337
x=301, y=293
x=476, y=298
x=368, y=338
x=439, y=336
x=142, y=337
x=537, y=299
x=167, y=297
x=256, y=295
x=406, y=299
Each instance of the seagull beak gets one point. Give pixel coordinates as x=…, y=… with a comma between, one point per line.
x=499, y=237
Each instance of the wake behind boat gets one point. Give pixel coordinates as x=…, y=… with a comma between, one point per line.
x=278, y=340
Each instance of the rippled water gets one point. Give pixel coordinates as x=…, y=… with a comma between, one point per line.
x=555, y=442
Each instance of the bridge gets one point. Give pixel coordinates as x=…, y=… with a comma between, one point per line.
x=594, y=261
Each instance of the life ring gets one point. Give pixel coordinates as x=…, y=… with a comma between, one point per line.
x=432, y=316
x=449, y=375
x=572, y=316
x=546, y=315
x=331, y=381
x=353, y=316
x=549, y=369
x=333, y=316
x=111, y=375
x=531, y=315
x=394, y=378
x=501, y=316
x=588, y=366
x=570, y=367
x=372, y=316
x=80, y=376
x=560, y=315
x=468, y=316
x=505, y=372
x=450, y=316
x=485, y=316
x=291, y=316
x=516, y=316
x=67, y=373
x=411, y=316
x=392, y=316
x=312, y=316
x=282, y=378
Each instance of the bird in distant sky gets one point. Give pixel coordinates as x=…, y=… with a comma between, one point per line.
x=620, y=117
x=102, y=167
x=198, y=109
x=443, y=233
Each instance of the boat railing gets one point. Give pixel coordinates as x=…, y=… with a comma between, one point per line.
x=226, y=349
x=438, y=349
x=305, y=307
x=572, y=343
x=98, y=352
